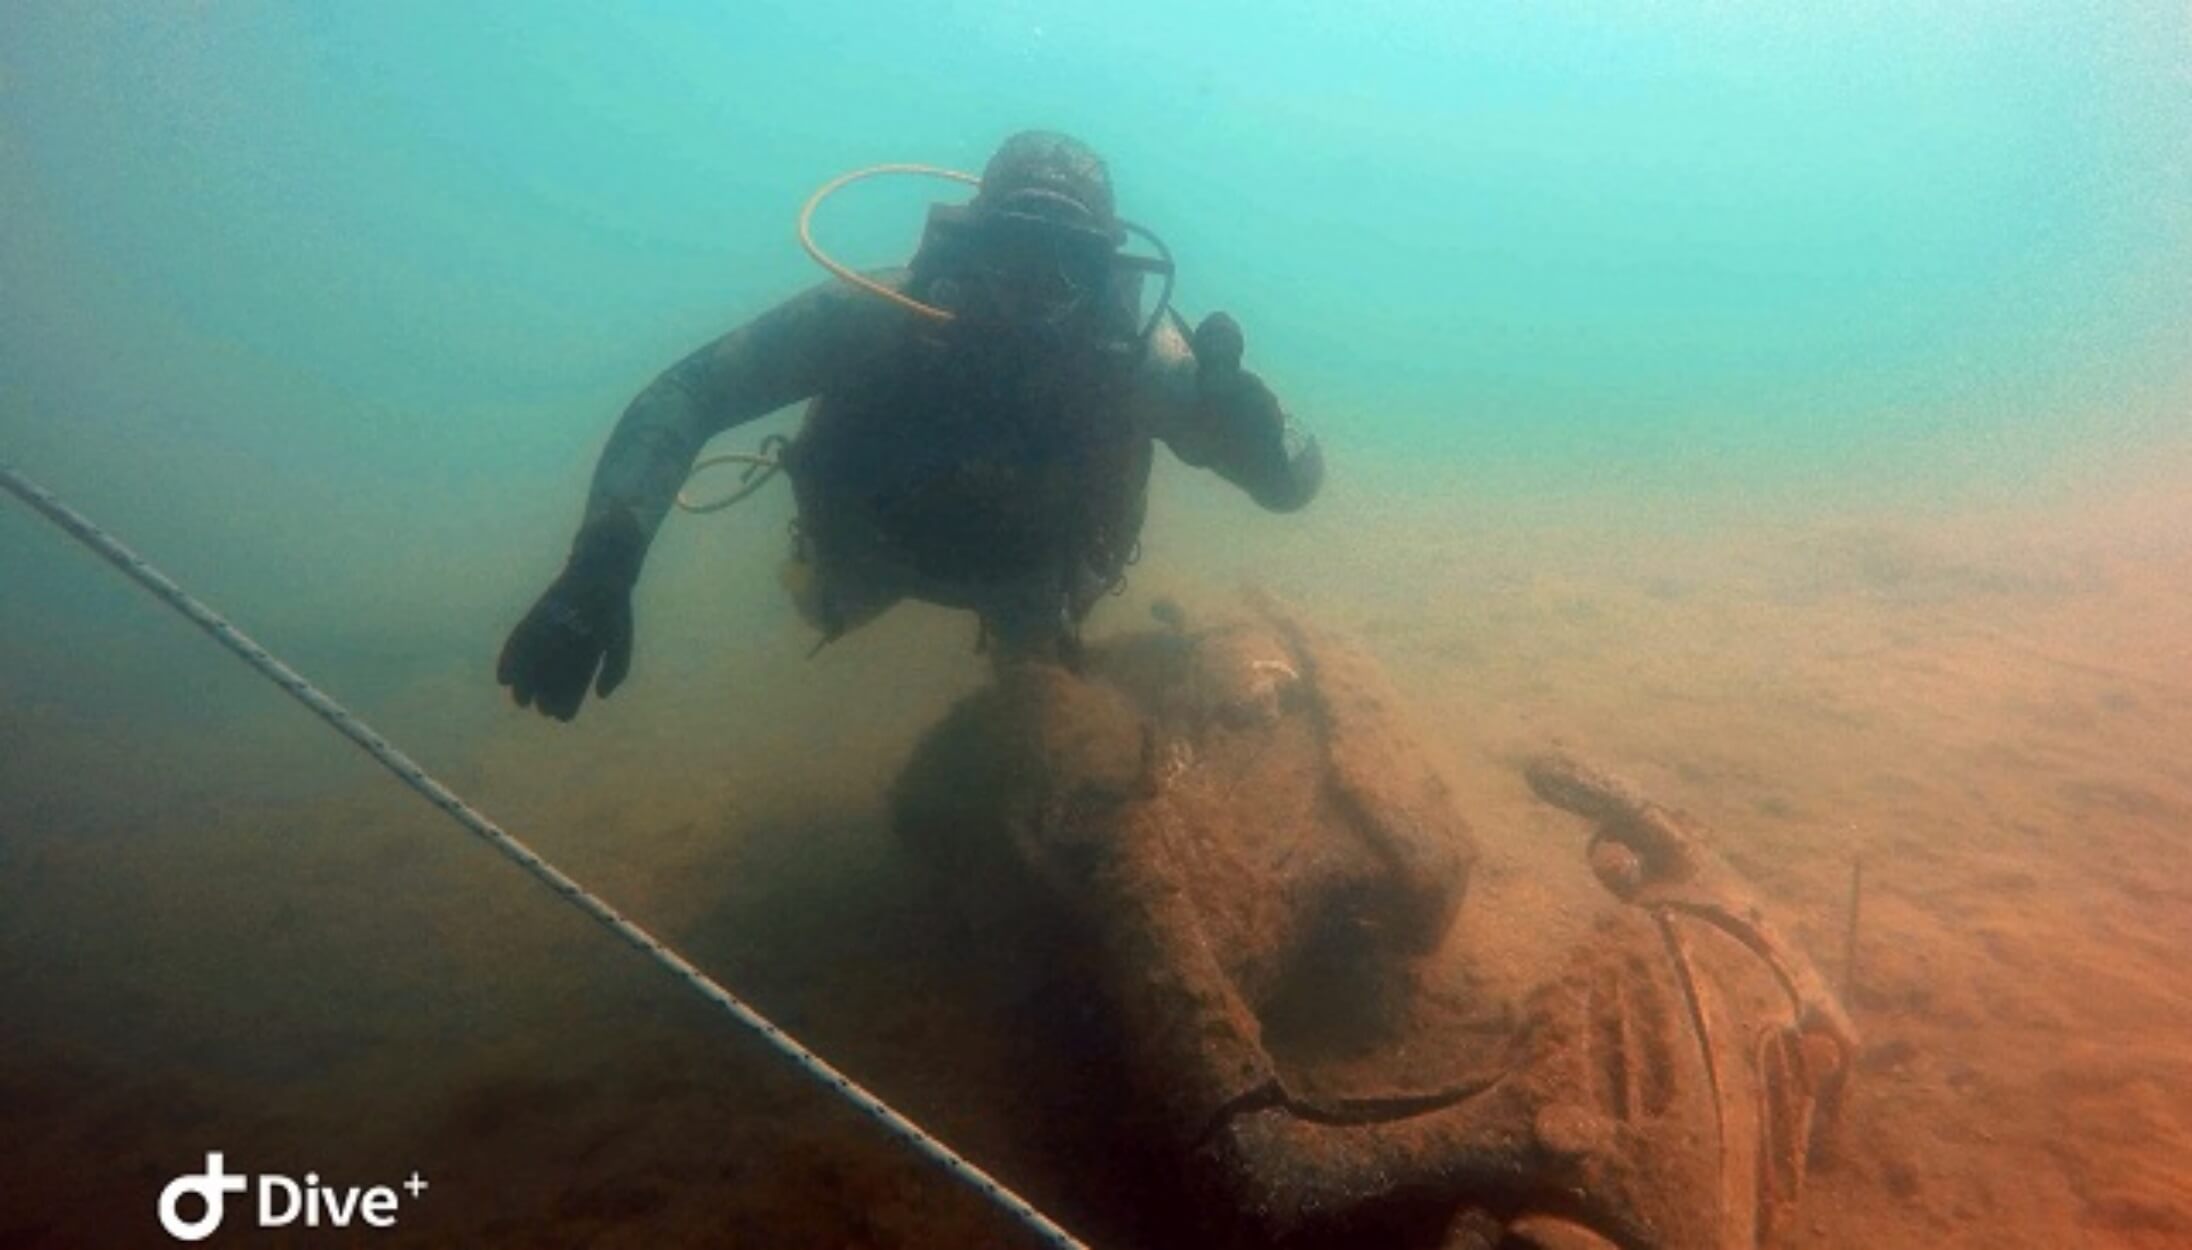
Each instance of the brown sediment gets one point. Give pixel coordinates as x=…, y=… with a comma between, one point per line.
x=1991, y=714
x=1849, y=933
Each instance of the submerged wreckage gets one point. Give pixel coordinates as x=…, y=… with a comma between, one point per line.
x=1251, y=850
x=1256, y=861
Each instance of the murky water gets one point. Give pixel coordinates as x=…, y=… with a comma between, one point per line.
x=1786, y=406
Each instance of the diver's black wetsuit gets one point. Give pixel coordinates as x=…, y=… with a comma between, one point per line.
x=953, y=465
x=979, y=433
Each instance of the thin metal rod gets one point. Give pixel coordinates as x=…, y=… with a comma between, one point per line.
x=349, y=726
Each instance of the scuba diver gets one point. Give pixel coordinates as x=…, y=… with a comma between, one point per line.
x=979, y=433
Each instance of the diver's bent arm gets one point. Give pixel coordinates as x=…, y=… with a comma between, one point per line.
x=1214, y=414
x=780, y=357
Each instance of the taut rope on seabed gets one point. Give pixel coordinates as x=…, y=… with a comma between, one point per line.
x=408, y=771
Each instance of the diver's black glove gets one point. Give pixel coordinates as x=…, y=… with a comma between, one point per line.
x=1280, y=466
x=582, y=623
x=1241, y=409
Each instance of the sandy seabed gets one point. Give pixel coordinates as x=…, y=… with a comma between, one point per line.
x=1992, y=709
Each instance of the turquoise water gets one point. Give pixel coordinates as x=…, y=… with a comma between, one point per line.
x=288, y=277
x=328, y=308
x=408, y=238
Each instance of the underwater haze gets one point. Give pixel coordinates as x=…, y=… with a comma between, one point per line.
x=1790, y=401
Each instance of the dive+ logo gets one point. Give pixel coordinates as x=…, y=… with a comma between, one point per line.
x=282, y=1201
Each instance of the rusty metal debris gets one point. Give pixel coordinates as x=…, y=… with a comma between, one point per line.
x=1238, y=820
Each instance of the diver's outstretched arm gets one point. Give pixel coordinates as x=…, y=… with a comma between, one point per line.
x=1214, y=414
x=780, y=357
x=583, y=623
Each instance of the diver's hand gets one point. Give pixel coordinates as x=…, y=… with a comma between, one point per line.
x=582, y=623
x=1234, y=400
x=1248, y=432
